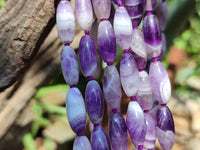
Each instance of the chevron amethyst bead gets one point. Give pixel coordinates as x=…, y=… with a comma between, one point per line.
x=65, y=20
x=76, y=112
x=150, y=138
x=118, y=132
x=107, y=42
x=135, y=10
x=123, y=28
x=112, y=88
x=84, y=13
x=129, y=74
x=99, y=139
x=82, y=142
x=160, y=82
x=88, y=56
x=136, y=123
x=152, y=35
x=102, y=8
x=165, y=128
x=69, y=65
x=144, y=94
x=94, y=101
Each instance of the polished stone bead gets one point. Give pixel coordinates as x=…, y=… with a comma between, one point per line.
x=94, y=101
x=138, y=46
x=118, y=132
x=99, y=139
x=160, y=82
x=135, y=10
x=165, y=128
x=154, y=109
x=144, y=94
x=107, y=42
x=84, y=13
x=123, y=28
x=88, y=56
x=69, y=64
x=76, y=112
x=129, y=74
x=136, y=123
x=112, y=88
x=150, y=5
x=82, y=142
x=152, y=35
x=65, y=20
x=164, y=47
x=150, y=138
x=102, y=8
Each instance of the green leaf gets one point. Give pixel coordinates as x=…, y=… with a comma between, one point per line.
x=28, y=142
x=54, y=109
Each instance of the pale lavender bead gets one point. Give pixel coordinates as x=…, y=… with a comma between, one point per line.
x=129, y=74
x=138, y=46
x=154, y=109
x=99, y=139
x=65, y=20
x=69, y=64
x=88, y=56
x=107, y=42
x=102, y=8
x=118, y=132
x=84, y=13
x=136, y=123
x=160, y=82
x=152, y=35
x=123, y=28
x=76, y=112
x=144, y=94
x=150, y=138
x=164, y=47
x=165, y=128
x=82, y=142
x=94, y=101
x=112, y=88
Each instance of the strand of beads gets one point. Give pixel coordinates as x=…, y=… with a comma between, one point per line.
x=159, y=79
x=76, y=112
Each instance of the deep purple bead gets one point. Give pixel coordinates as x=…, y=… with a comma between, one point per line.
x=69, y=64
x=165, y=128
x=107, y=42
x=112, y=88
x=82, y=142
x=99, y=139
x=140, y=61
x=152, y=35
x=88, y=56
x=76, y=112
x=135, y=10
x=118, y=132
x=94, y=101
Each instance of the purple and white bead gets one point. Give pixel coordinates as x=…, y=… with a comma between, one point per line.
x=65, y=20
x=76, y=112
x=82, y=142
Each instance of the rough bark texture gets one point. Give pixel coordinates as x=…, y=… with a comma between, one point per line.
x=24, y=25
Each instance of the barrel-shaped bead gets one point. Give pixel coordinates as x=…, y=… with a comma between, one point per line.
x=160, y=82
x=88, y=56
x=129, y=74
x=135, y=10
x=99, y=139
x=144, y=94
x=136, y=123
x=82, y=142
x=76, y=112
x=94, y=101
x=118, y=132
x=150, y=138
x=123, y=28
x=65, y=20
x=165, y=128
x=107, y=42
x=69, y=64
x=152, y=35
x=102, y=8
x=112, y=88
